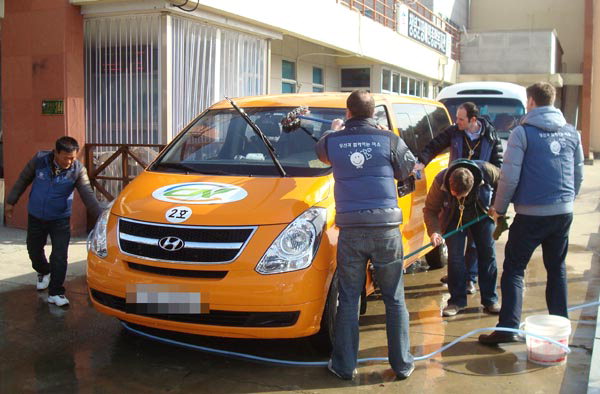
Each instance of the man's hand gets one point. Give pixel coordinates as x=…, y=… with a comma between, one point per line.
x=493, y=214
x=8, y=210
x=418, y=166
x=337, y=124
x=436, y=239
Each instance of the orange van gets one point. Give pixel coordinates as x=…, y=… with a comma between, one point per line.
x=230, y=231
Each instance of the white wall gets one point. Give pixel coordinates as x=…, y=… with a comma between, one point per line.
x=326, y=23
x=303, y=54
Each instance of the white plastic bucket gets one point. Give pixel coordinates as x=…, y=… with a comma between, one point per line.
x=554, y=327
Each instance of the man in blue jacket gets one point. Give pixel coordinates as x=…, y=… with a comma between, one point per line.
x=541, y=175
x=365, y=162
x=53, y=176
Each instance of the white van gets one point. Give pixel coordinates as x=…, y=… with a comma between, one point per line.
x=503, y=103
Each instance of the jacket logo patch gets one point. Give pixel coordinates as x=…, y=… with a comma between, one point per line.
x=555, y=147
x=358, y=158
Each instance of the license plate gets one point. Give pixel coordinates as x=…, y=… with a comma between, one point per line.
x=153, y=299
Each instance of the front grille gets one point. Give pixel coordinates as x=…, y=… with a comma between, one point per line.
x=213, y=318
x=211, y=245
x=177, y=272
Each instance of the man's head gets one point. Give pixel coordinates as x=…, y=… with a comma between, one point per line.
x=461, y=182
x=466, y=116
x=540, y=94
x=65, y=151
x=360, y=104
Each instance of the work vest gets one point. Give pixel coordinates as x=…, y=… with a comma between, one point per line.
x=456, y=147
x=51, y=195
x=361, y=160
x=548, y=169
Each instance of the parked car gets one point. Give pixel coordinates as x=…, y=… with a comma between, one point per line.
x=217, y=237
x=503, y=103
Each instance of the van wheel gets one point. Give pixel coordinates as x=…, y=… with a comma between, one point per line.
x=438, y=257
x=323, y=340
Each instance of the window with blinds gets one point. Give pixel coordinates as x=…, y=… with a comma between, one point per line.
x=124, y=74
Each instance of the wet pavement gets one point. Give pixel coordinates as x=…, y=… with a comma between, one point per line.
x=48, y=349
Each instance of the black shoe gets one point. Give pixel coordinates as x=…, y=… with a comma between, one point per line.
x=498, y=337
x=444, y=279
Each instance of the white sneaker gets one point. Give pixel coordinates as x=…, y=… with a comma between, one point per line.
x=59, y=300
x=42, y=281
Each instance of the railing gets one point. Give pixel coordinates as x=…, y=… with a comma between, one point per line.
x=112, y=166
x=384, y=12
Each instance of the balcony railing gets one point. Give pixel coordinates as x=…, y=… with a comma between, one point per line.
x=384, y=12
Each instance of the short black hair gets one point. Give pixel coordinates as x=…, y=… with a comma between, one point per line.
x=542, y=93
x=66, y=144
x=470, y=108
x=361, y=104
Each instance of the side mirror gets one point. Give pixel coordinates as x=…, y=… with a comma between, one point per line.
x=406, y=186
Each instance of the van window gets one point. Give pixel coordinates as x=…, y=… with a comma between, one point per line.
x=413, y=125
x=503, y=113
x=221, y=142
x=437, y=119
x=381, y=117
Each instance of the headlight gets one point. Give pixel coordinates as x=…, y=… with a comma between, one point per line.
x=296, y=246
x=97, y=238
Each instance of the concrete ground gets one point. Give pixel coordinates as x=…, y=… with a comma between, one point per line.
x=44, y=348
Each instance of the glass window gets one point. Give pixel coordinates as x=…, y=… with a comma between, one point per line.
x=503, y=113
x=288, y=70
x=418, y=88
x=426, y=89
x=438, y=119
x=356, y=78
x=222, y=142
x=318, y=75
x=386, y=79
x=396, y=83
x=413, y=125
x=318, y=89
x=381, y=117
x=412, y=86
x=404, y=85
x=287, y=87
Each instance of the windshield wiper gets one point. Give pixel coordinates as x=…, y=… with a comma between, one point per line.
x=260, y=135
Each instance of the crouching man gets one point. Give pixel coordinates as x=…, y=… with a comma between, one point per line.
x=459, y=194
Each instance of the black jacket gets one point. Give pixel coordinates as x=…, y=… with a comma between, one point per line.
x=452, y=133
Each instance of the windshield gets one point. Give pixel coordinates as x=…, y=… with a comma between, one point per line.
x=221, y=142
x=503, y=113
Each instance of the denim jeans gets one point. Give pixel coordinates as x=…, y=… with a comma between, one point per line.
x=482, y=233
x=60, y=235
x=471, y=259
x=526, y=233
x=383, y=246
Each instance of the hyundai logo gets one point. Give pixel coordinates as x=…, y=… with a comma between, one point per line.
x=171, y=244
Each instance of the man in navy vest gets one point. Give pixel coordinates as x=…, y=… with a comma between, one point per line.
x=541, y=175
x=365, y=162
x=472, y=138
x=53, y=176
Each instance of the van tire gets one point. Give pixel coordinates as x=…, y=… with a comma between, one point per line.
x=438, y=257
x=323, y=340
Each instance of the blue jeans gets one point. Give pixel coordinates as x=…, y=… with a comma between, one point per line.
x=60, y=235
x=383, y=246
x=471, y=259
x=526, y=233
x=482, y=233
